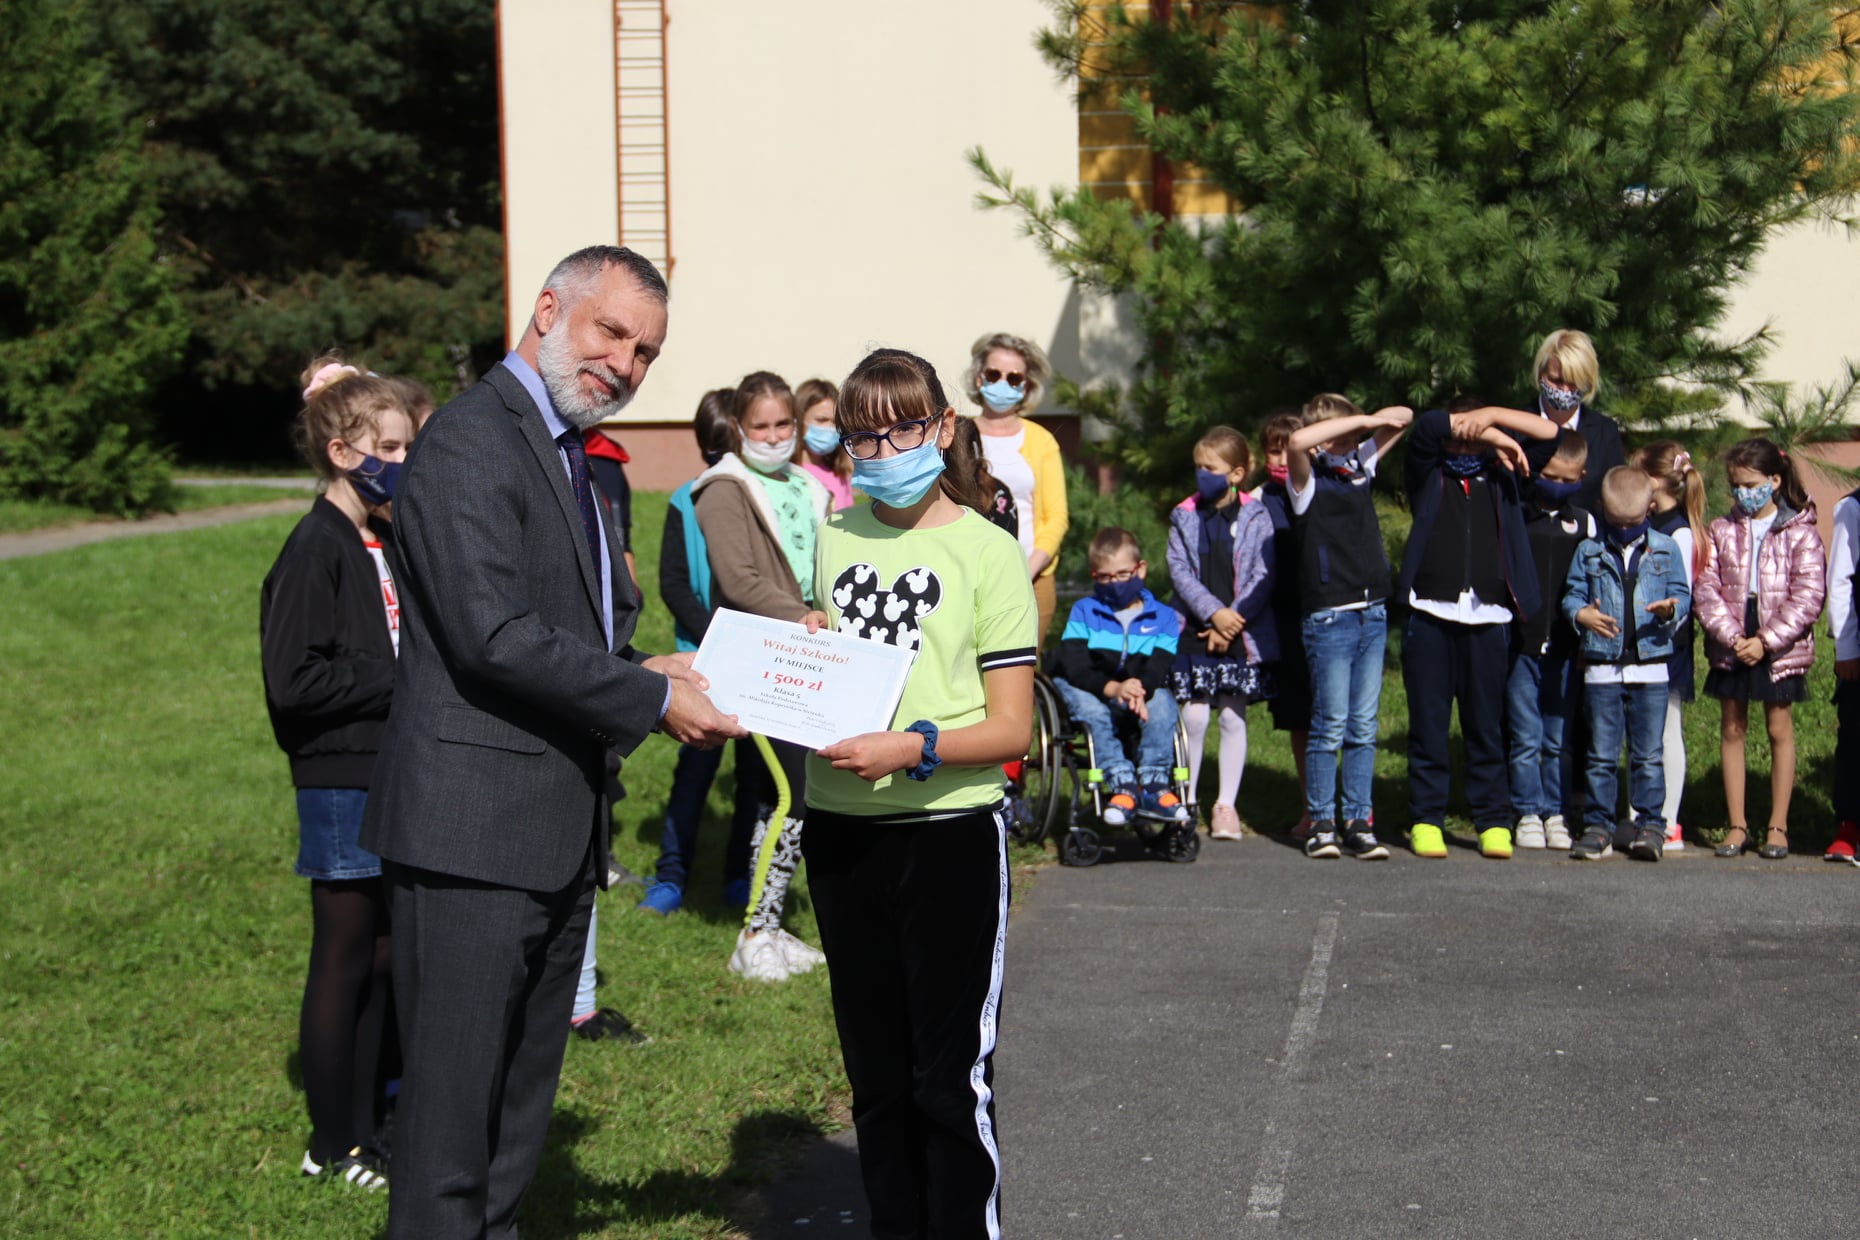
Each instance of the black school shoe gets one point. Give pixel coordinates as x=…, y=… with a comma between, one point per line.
x=1359, y=840
x=1593, y=846
x=608, y=1025
x=1322, y=842
x=1649, y=843
x=359, y=1168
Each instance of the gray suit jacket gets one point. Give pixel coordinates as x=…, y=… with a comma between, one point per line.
x=506, y=695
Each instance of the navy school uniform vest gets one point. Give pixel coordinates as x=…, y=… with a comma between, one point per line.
x=1341, y=560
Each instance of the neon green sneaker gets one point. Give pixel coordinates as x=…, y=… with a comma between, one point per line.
x=1495, y=842
x=1426, y=840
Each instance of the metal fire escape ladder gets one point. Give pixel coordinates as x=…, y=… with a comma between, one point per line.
x=642, y=159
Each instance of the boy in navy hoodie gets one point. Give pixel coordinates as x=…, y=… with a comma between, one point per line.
x=1466, y=576
x=1112, y=662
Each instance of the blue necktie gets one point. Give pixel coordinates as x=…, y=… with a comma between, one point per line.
x=570, y=443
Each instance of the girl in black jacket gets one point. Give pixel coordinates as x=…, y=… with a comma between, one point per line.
x=328, y=627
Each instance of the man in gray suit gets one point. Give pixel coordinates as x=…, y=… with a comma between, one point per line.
x=515, y=676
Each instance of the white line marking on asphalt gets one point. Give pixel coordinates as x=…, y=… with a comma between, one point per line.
x=1275, y=1156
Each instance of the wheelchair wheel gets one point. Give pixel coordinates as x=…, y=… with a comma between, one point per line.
x=1046, y=787
x=1080, y=846
x=1183, y=844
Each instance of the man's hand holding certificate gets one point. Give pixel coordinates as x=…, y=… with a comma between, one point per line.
x=809, y=688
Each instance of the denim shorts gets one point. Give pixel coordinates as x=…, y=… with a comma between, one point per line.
x=328, y=820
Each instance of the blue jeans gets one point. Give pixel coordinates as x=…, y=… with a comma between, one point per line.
x=1344, y=650
x=692, y=776
x=1155, y=764
x=1537, y=703
x=1640, y=712
x=328, y=822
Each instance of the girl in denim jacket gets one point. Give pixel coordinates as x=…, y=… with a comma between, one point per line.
x=1759, y=596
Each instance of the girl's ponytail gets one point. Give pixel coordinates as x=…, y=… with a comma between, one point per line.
x=1670, y=466
x=1694, y=501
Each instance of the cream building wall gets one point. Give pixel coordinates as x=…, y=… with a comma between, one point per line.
x=1806, y=286
x=820, y=204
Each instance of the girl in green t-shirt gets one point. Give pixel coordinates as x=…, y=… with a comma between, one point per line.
x=906, y=840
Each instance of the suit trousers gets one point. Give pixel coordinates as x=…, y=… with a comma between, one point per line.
x=913, y=918
x=1443, y=662
x=484, y=983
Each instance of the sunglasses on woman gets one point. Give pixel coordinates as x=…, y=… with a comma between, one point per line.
x=1014, y=378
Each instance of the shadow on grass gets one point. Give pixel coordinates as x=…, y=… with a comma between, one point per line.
x=567, y=1201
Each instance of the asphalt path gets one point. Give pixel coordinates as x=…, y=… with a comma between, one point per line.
x=1257, y=1043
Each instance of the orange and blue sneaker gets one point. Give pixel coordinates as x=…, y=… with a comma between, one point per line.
x=1119, y=807
x=1164, y=804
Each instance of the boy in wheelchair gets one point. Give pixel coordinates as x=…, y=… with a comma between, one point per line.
x=1110, y=667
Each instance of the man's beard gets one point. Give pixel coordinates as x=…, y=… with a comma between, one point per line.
x=561, y=376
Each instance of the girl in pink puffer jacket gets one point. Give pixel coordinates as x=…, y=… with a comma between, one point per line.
x=1757, y=599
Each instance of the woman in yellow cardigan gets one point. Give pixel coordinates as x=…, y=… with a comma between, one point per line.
x=1007, y=377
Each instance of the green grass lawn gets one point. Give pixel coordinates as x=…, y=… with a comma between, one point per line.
x=154, y=941
x=153, y=937
x=18, y=515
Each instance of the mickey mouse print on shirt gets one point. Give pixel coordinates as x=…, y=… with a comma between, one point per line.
x=886, y=614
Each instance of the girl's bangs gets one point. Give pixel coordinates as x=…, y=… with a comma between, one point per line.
x=882, y=395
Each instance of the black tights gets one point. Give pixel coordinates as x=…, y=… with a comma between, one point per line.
x=344, y=1022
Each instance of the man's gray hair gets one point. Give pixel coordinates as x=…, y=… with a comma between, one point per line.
x=576, y=274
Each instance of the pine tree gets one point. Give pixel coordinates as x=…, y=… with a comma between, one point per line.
x=1430, y=187
x=89, y=322
x=329, y=178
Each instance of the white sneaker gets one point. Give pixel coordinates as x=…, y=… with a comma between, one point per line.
x=1530, y=832
x=759, y=958
x=799, y=955
x=1556, y=834
x=1675, y=837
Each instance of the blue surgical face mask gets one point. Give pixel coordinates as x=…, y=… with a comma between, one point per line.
x=1622, y=535
x=1002, y=396
x=1754, y=499
x=375, y=479
x=822, y=439
x=1563, y=400
x=1211, y=486
x=1118, y=595
x=1551, y=493
x=900, y=481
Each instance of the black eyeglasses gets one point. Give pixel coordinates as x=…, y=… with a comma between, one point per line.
x=863, y=445
x=1014, y=378
x=1111, y=578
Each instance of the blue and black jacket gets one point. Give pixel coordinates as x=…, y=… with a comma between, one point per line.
x=1096, y=647
x=684, y=571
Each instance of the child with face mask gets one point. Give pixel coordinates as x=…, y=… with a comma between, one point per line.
x=1759, y=596
x=1343, y=577
x=1221, y=563
x=760, y=515
x=906, y=840
x=329, y=634
x=1678, y=513
x=820, y=440
x=1538, y=696
x=1467, y=575
x=685, y=586
x=1291, y=699
x=1113, y=661
x=1626, y=593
